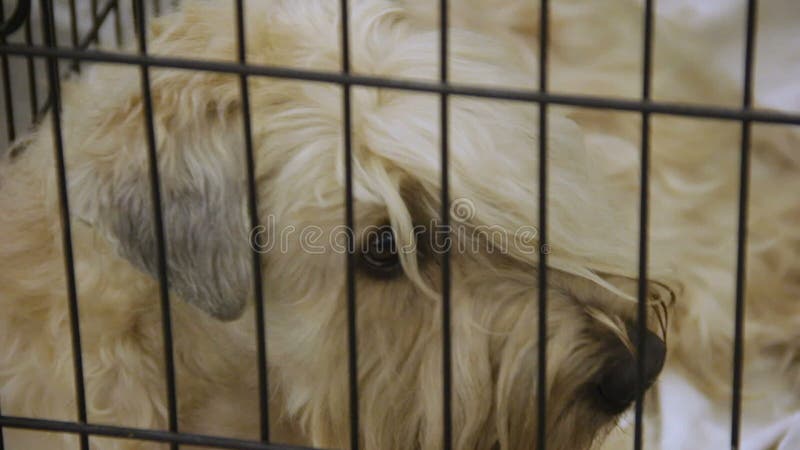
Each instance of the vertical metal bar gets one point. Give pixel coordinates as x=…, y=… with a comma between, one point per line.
x=644, y=196
x=94, y=31
x=32, y=89
x=447, y=357
x=741, y=246
x=117, y=24
x=47, y=39
x=8, y=100
x=252, y=203
x=66, y=228
x=135, y=12
x=541, y=381
x=159, y=223
x=73, y=32
x=352, y=305
x=95, y=25
x=2, y=440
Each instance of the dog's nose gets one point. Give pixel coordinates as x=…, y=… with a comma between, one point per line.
x=617, y=382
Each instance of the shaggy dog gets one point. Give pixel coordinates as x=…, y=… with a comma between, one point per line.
x=298, y=141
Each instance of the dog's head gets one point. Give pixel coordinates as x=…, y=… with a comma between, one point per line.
x=399, y=242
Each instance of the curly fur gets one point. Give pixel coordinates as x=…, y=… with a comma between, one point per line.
x=297, y=134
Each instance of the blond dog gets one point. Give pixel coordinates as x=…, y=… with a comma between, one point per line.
x=298, y=142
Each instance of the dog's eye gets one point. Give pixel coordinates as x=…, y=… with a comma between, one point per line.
x=379, y=252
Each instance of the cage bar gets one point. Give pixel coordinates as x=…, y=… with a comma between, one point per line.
x=94, y=33
x=18, y=17
x=352, y=305
x=79, y=52
x=96, y=23
x=27, y=423
x=155, y=185
x=66, y=228
x=2, y=417
x=73, y=33
x=447, y=358
x=117, y=23
x=541, y=377
x=644, y=215
x=6, y=73
x=252, y=205
x=741, y=235
x=31, y=67
x=752, y=114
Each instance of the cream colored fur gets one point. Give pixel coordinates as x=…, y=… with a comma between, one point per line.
x=297, y=130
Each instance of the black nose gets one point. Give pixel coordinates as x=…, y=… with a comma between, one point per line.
x=617, y=382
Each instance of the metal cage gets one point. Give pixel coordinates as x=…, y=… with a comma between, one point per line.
x=80, y=50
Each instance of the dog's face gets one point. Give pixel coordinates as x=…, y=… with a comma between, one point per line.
x=399, y=249
x=299, y=166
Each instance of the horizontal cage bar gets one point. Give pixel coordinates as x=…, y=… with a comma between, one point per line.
x=141, y=434
x=654, y=107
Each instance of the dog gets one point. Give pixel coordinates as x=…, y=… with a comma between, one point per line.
x=297, y=130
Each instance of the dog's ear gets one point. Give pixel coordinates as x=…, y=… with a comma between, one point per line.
x=205, y=235
x=203, y=190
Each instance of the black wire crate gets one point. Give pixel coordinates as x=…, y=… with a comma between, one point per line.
x=46, y=43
